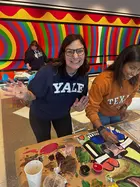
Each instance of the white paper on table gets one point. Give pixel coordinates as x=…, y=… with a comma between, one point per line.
x=132, y=128
x=23, y=112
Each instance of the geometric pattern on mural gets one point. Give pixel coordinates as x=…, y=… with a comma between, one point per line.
x=105, y=35
x=15, y=37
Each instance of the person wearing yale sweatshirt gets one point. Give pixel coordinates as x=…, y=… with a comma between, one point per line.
x=56, y=88
x=113, y=90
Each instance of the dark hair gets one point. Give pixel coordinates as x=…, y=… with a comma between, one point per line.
x=35, y=43
x=129, y=54
x=61, y=56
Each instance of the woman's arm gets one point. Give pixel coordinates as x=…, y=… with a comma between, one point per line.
x=96, y=95
x=108, y=136
x=45, y=58
x=29, y=96
x=98, y=89
x=28, y=58
x=28, y=66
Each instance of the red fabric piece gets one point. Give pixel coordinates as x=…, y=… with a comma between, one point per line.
x=49, y=148
x=110, y=164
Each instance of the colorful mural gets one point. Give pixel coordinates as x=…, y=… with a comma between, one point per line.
x=15, y=37
x=105, y=35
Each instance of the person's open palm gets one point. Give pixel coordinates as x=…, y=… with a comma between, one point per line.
x=18, y=90
x=80, y=105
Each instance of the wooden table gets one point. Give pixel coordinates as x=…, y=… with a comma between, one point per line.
x=74, y=181
x=24, y=153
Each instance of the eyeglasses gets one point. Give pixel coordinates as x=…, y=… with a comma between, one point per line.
x=79, y=51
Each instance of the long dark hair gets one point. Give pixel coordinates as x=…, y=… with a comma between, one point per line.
x=129, y=54
x=61, y=56
x=35, y=43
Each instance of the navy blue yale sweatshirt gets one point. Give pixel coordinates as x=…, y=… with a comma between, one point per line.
x=55, y=93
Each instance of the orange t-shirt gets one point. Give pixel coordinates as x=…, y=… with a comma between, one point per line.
x=106, y=96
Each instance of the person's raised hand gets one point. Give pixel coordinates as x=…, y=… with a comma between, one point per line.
x=15, y=89
x=81, y=104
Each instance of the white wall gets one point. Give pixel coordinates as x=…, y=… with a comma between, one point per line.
x=123, y=6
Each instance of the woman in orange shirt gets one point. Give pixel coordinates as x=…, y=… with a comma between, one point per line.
x=112, y=91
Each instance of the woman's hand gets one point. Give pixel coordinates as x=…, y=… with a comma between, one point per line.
x=123, y=112
x=80, y=105
x=108, y=136
x=18, y=90
x=28, y=66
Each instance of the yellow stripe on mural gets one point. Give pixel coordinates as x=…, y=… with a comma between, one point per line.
x=63, y=30
x=119, y=40
x=33, y=31
x=137, y=37
x=6, y=64
x=23, y=14
x=11, y=38
x=107, y=43
x=81, y=30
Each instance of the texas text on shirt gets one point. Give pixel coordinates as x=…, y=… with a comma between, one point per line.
x=107, y=97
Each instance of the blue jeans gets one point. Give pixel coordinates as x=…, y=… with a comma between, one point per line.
x=105, y=120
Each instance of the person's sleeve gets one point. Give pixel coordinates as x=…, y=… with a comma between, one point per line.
x=98, y=90
x=39, y=85
x=28, y=57
x=85, y=86
x=85, y=90
x=129, y=99
x=45, y=57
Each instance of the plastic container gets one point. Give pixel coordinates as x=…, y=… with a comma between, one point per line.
x=33, y=171
x=54, y=180
x=97, y=167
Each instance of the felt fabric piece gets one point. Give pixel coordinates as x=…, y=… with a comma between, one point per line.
x=110, y=164
x=31, y=151
x=49, y=148
x=120, y=136
x=97, y=139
